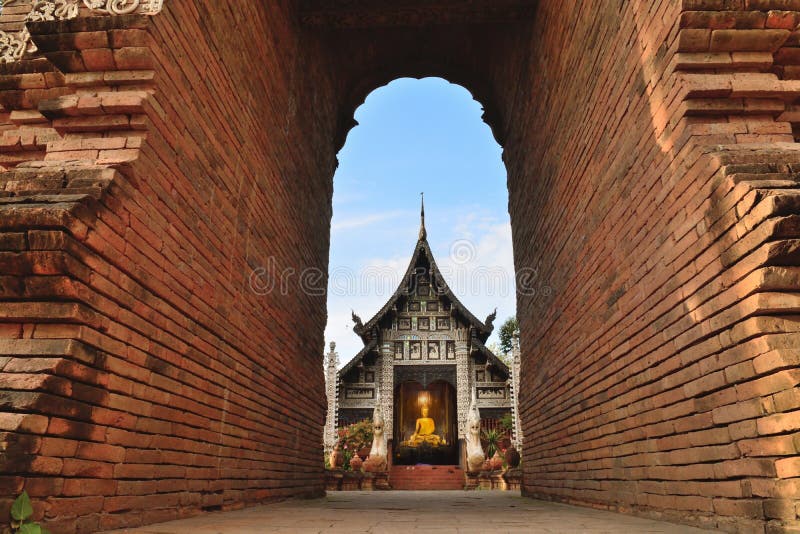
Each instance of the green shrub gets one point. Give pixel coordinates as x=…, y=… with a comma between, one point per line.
x=356, y=436
x=492, y=438
x=507, y=422
x=21, y=511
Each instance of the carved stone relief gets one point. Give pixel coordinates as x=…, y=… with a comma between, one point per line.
x=13, y=46
x=53, y=10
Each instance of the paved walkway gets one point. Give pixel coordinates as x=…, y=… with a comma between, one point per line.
x=441, y=512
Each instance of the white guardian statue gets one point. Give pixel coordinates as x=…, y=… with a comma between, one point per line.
x=377, y=460
x=475, y=455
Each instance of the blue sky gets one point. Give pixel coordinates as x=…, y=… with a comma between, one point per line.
x=418, y=135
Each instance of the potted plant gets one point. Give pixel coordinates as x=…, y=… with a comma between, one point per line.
x=506, y=426
x=492, y=439
x=356, y=462
x=348, y=455
x=336, y=459
x=507, y=422
x=354, y=440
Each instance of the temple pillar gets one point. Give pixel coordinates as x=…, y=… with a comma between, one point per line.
x=463, y=380
x=386, y=366
x=331, y=390
x=514, y=391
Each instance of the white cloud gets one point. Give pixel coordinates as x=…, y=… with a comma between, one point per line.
x=362, y=288
x=365, y=220
x=487, y=280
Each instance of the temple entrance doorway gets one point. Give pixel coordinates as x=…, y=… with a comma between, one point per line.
x=425, y=427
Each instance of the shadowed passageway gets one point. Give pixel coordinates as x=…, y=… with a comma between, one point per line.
x=416, y=511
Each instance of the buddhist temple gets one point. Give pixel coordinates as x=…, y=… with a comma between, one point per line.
x=424, y=359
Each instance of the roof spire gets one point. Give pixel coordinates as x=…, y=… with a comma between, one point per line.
x=423, y=234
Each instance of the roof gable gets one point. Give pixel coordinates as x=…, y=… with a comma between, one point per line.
x=422, y=263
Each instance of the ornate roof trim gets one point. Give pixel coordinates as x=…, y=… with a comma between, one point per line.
x=357, y=358
x=483, y=330
x=490, y=356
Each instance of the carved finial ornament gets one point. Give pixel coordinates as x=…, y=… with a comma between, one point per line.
x=358, y=325
x=490, y=319
x=423, y=234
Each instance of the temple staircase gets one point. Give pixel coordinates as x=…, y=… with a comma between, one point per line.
x=427, y=477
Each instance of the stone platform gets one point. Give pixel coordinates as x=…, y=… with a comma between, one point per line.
x=443, y=512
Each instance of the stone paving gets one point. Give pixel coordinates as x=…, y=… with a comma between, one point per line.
x=445, y=512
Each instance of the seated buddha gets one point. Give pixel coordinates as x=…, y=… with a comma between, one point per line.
x=423, y=432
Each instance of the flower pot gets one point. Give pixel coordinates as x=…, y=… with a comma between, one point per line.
x=375, y=464
x=356, y=462
x=512, y=457
x=336, y=459
x=496, y=461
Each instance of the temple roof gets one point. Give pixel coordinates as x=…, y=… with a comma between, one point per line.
x=358, y=357
x=477, y=346
x=369, y=331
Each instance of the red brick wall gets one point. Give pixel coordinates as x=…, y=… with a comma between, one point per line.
x=653, y=193
x=660, y=372
x=142, y=378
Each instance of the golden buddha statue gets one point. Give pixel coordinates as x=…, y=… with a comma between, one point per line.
x=423, y=431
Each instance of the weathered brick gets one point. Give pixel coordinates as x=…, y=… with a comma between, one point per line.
x=98, y=59
x=694, y=40
x=774, y=424
x=751, y=508
x=788, y=467
x=747, y=40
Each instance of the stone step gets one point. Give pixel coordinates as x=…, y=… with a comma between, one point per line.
x=426, y=477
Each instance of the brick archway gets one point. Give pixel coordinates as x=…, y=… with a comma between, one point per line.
x=368, y=81
x=168, y=182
